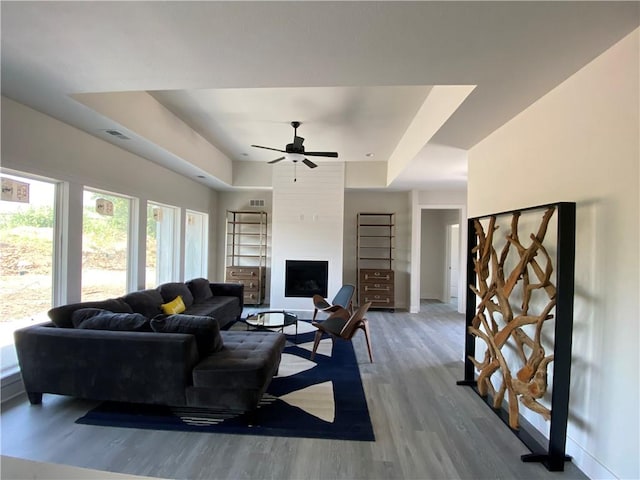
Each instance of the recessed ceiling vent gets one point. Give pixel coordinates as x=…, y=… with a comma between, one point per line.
x=117, y=134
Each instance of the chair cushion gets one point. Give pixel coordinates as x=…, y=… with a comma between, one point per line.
x=146, y=302
x=61, y=316
x=344, y=295
x=171, y=290
x=200, y=289
x=333, y=324
x=205, y=329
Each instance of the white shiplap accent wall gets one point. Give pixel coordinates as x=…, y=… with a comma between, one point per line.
x=308, y=224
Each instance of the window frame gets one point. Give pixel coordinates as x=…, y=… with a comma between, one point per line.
x=132, y=236
x=204, y=239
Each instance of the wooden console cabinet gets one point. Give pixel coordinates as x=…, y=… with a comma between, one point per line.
x=377, y=287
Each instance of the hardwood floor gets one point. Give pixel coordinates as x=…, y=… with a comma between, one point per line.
x=426, y=427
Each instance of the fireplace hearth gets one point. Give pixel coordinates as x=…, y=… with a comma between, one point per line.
x=306, y=278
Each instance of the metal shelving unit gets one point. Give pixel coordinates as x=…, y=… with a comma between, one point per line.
x=375, y=255
x=246, y=252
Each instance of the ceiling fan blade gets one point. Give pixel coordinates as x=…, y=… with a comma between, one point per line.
x=276, y=160
x=322, y=154
x=298, y=141
x=309, y=163
x=269, y=148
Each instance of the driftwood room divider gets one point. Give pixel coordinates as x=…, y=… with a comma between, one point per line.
x=520, y=310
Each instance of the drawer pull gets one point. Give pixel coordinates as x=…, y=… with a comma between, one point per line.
x=377, y=299
x=377, y=276
x=377, y=286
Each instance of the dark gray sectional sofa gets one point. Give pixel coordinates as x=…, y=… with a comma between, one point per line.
x=125, y=349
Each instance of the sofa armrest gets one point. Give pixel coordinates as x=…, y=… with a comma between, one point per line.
x=229, y=290
x=145, y=367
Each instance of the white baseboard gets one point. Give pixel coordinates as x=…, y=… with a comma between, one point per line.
x=582, y=459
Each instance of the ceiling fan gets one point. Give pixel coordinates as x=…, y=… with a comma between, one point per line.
x=295, y=151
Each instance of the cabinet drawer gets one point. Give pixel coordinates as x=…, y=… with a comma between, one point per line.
x=377, y=300
x=248, y=283
x=376, y=276
x=377, y=288
x=242, y=272
x=252, y=297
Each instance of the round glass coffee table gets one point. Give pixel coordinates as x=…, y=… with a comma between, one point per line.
x=272, y=319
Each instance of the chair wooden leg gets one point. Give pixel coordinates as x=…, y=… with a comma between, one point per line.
x=315, y=312
x=316, y=342
x=365, y=327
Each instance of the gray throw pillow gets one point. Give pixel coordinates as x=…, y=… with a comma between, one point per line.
x=205, y=329
x=84, y=314
x=129, y=322
x=61, y=316
x=171, y=290
x=146, y=302
x=200, y=289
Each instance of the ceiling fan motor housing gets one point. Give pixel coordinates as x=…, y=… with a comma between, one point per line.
x=293, y=148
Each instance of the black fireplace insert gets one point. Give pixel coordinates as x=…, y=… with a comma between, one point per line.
x=305, y=278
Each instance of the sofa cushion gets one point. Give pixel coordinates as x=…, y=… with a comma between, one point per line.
x=248, y=360
x=200, y=289
x=146, y=302
x=171, y=290
x=227, y=308
x=205, y=329
x=61, y=316
x=130, y=322
x=174, y=306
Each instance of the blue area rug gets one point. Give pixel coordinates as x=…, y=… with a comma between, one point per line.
x=322, y=398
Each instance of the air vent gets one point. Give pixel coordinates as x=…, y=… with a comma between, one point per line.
x=256, y=203
x=117, y=134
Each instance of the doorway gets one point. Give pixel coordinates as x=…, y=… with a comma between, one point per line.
x=453, y=262
x=436, y=272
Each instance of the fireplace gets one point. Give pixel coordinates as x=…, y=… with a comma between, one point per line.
x=305, y=278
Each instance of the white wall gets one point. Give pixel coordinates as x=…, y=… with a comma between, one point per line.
x=307, y=225
x=580, y=143
x=41, y=145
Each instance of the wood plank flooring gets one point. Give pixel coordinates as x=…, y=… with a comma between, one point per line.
x=426, y=427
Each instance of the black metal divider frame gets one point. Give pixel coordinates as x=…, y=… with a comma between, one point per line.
x=554, y=456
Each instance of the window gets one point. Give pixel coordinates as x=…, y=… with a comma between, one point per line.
x=105, y=245
x=196, y=245
x=163, y=245
x=27, y=218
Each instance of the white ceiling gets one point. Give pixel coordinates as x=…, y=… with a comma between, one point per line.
x=354, y=73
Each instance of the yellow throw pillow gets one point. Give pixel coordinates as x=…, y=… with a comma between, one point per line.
x=174, y=306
